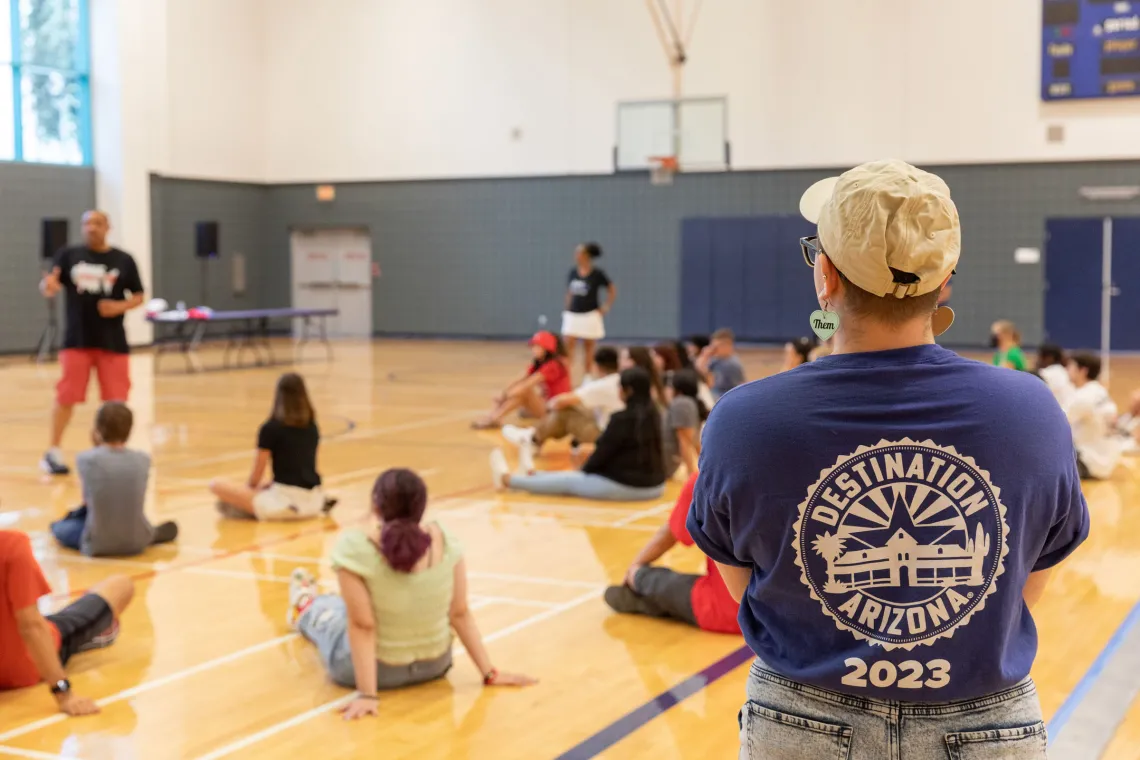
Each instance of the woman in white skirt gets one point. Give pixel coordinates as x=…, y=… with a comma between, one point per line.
x=583, y=317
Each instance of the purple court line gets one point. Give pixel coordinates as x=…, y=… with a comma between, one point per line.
x=627, y=724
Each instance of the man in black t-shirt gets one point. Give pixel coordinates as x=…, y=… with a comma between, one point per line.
x=101, y=284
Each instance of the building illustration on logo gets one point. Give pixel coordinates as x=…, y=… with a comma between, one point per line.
x=903, y=561
x=901, y=542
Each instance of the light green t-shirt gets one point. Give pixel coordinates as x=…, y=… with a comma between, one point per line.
x=411, y=609
x=1013, y=356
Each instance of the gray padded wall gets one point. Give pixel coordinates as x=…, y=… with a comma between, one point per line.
x=240, y=210
x=486, y=257
x=30, y=193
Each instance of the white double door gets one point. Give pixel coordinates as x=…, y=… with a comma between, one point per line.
x=332, y=269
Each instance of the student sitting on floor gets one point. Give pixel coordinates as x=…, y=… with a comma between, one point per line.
x=111, y=522
x=1052, y=367
x=700, y=600
x=627, y=462
x=34, y=647
x=1091, y=414
x=681, y=432
x=797, y=352
x=695, y=345
x=582, y=414
x=288, y=443
x=640, y=356
x=672, y=356
x=720, y=365
x=403, y=589
x=547, y=376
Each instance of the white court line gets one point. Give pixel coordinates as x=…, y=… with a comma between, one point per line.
x=660, y=508
x=531, y=579
x=297, y=720
x=488, y=600
x=333, y=479
x=356, y=435
x=146, y=686
x=564, y=522
x=17, y=752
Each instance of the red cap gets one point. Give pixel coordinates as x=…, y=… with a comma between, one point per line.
x=546, y=340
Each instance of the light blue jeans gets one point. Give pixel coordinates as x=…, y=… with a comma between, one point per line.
x=325, y=623
x=786, y=720
x=585, y=485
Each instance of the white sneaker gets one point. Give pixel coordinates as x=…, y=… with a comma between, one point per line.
x=302, y=589
x=519, y=436
x=526, y=458
x=499, y=469
x=53, y=464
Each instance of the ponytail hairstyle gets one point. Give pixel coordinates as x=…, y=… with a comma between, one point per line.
x=636, y=384
x=399, y=498
x=686, y=383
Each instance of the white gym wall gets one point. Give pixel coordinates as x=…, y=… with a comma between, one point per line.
x=177, y=88
x=362, y=89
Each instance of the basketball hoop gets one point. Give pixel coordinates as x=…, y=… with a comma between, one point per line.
x=662, y=169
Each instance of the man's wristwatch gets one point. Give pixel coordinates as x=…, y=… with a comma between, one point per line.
x=59, y=688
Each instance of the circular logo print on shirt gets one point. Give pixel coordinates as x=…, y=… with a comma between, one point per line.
x=902, y=542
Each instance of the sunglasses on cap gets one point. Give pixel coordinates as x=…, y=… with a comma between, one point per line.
x=811, y=249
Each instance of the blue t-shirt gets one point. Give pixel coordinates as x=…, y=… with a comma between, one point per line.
x=891, y=507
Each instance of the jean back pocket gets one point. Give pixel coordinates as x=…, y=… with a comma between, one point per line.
x=767, y=734
x=1024, y=743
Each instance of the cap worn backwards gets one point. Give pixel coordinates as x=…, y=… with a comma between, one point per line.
x=889, y=227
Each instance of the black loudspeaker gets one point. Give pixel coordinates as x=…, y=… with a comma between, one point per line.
x=53, y=237
x=206, y=240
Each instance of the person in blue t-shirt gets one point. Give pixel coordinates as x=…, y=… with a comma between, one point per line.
x=888, y=515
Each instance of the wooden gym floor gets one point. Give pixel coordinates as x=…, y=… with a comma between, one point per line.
x=206, y=667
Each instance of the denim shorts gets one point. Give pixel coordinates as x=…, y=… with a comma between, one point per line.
x=786, y=720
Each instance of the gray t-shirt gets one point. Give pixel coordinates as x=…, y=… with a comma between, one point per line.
x=114, y=490
x=726, y=374
x=682, y=413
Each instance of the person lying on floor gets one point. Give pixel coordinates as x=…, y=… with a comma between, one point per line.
x=700, y=600
x=547, y=376
x=627, y=463
x=111, y=522
x=582, y=414
x=36, y=648
x=287, y=442
x=403, y=590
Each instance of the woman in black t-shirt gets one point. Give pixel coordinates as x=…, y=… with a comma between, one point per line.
x=288, y=441
x=584, y=311
x=628, y=461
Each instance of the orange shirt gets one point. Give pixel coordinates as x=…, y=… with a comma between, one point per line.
x=22, y=583
x=713, y=606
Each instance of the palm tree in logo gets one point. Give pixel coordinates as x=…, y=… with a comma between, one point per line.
x=830, y=547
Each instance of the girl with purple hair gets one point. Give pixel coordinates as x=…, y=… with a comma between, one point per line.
x=403, y=588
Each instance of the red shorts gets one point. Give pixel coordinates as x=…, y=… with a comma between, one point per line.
x=114, y=372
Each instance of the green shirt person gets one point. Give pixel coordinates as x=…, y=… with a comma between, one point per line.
x=1005, y=337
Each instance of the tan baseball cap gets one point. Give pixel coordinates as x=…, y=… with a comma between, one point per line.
x=885, y=218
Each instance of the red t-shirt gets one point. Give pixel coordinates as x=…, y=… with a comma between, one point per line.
x=22, y=583
x=713, y=606
x=555, y=375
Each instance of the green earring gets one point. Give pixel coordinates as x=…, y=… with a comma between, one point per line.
x=824, y=323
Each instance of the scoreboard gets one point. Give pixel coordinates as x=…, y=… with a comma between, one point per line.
x=1091, y=49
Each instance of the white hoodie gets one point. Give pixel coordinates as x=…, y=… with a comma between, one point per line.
x=1091, y=414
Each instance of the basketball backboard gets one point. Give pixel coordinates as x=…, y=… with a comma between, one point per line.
x=695, y=130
